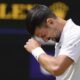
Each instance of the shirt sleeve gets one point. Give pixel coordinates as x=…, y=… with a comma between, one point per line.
x=71, y=47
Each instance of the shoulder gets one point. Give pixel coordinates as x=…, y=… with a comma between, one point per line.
x=72, y=34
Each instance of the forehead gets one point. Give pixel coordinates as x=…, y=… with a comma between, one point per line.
x=39, y=30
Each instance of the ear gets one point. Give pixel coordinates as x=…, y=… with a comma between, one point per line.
x=50, y=21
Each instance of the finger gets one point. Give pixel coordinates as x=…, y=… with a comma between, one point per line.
x=27, y=43
x=32, y=38
x=28, y=40
x=24, y=46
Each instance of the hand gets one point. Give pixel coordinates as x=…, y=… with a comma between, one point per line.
x=31, y=44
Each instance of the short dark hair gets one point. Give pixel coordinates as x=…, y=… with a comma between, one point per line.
x=37, y=16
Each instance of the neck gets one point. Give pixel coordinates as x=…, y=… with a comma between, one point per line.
x=61, y=24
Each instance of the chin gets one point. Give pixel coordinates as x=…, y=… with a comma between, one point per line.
x=55, y=39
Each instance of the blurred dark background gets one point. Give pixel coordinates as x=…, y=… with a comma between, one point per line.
x=15, y=62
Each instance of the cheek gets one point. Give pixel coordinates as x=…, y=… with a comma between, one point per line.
x=43, y=31
x=38, y=32
x=51, y=33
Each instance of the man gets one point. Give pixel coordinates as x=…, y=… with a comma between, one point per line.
x=65, y=65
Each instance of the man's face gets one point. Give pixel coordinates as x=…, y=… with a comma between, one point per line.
x=47, y=33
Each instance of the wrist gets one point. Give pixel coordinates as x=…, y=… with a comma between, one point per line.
x=37, y=52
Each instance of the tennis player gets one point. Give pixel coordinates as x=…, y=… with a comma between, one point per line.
x=43, y=23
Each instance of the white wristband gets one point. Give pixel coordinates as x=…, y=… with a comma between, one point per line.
x=37, y=52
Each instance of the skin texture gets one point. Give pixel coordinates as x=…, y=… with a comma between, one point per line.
x=55, y=65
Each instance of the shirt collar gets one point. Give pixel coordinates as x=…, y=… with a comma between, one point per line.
x=67, y=26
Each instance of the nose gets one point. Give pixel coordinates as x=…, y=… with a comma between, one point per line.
x=45, y=39
x=43, y=36
x=39, y=35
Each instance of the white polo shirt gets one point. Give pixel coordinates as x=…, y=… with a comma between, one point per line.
x=69, y=45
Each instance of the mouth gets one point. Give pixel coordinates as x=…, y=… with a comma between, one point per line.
x=53, y=39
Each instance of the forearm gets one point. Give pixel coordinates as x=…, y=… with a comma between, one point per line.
x=49, y=63
x=55, y=65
